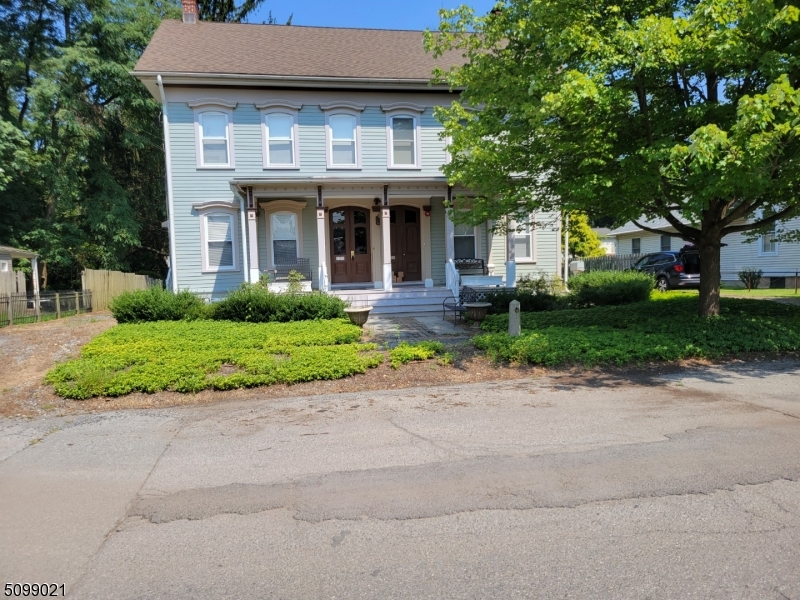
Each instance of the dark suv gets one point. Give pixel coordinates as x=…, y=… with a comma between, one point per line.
x=679, y=269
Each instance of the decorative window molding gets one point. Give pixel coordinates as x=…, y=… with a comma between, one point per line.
x=336, y=135
x=210, y=204
x=219, y=238
x=203, y=102
x=279, y=104
x=213, y=136
x=397, y=122
x=279, y=227
x=279, y=136
x=403, y=106
x=524, y=240
x=342, y=105
x=767, y=244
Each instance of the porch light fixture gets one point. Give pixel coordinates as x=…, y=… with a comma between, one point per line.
x=427, y=210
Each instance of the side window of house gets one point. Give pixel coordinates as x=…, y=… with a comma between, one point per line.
x=768, y=243
x=283, y=230
x=523, y=243
x=636, y=246
x=219, y=238
x=214, y=138
x=464, y=241
x=280, y=133
x=666, y=243
x=343, y=139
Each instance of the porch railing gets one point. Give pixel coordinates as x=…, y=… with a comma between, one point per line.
x=452, y=278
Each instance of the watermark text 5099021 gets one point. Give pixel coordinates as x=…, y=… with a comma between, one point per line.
x=28, y=590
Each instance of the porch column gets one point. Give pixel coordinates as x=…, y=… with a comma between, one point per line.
x=322, y=246
x=511, y=257
x=387, y=241
x=449, y=228
x=489, y=249
x=35, y=274
x=252, y=235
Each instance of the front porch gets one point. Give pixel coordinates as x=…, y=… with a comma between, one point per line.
x=385, y=242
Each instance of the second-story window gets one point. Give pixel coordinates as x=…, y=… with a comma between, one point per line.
x=343, y=150
x=404, y=137
x=280, y=139
x=214, y=140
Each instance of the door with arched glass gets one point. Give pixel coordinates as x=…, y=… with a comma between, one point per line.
x=350, y=246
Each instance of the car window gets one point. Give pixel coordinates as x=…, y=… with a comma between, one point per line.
x=641, y=262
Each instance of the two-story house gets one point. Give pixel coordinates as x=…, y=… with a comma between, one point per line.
x=287, y=142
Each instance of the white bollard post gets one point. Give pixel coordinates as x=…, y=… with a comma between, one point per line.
x=514, y=325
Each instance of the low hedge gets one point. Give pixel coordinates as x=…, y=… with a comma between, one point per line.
x=528, y=301
x=157, y=304
x=609, y=288
x=255, y=304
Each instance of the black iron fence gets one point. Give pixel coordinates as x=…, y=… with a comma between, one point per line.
x=16, y=309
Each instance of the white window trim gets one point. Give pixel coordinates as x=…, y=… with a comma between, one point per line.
x=213, y=105
x=761, y=243
x=282, y=206
x=217, y=208
x=342, y=110
x=533, y=258
x=411, y=111
x=288, y=108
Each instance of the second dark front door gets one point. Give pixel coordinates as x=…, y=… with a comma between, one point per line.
x=350, y=248
x=405, y=239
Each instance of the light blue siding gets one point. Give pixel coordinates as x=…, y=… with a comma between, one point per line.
x=438, y=240
x=547, y=246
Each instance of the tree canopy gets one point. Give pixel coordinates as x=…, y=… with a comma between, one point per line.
x=686, y=110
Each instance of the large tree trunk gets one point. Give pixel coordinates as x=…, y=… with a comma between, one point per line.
x=709, y=277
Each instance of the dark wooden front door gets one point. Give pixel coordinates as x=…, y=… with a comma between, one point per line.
x=350, y=248
x=405, y=240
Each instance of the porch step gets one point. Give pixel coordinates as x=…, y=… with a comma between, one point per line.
x=409, y=301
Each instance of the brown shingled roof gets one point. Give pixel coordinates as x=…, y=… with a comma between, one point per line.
x=280, y=50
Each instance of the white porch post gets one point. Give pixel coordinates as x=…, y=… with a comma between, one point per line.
x=386, y=240
x=511, y=257
x=449, y=228
x=35, y=274
x=252, y=235
x=489, y=247
x=322, y=246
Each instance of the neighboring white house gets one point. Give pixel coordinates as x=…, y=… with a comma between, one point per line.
x=316, y=146
x=779, y=261
x=608, y=242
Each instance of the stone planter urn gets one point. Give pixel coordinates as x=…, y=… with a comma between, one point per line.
x=476, y=311
x=358, y=314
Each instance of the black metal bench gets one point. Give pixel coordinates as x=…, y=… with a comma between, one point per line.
x=471, y=266
x=465, y=295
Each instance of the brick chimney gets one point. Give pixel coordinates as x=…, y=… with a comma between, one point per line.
x=189, y=11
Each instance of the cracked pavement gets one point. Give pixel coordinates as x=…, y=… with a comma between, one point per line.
x=683, y=485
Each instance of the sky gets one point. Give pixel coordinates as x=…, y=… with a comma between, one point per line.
x=377, y=14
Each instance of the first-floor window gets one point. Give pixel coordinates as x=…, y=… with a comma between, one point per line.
x=666, y=243
x=464, y=241
x=523, y=245
x=768, y=242
x=283, y=227
x=219, y=242
x=636, y=246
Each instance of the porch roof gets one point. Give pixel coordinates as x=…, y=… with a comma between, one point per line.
x=17, y=252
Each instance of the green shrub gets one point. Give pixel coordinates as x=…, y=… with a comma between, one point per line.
x=528, y=301
x=609, y=288
x=660, y=329
x=252, y=303
x=750, y=277
x=405, y=352
x=192, y=356
x=156, y=304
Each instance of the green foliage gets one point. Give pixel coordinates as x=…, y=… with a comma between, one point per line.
x=665, y=328
x=608, y=288
x=529, y=301
x=191, y=356
x=405, y=352
x=750, y=277
x=539, y=284
x=253, y=303
x=295, y=282
x=629, y=109
x=156, y=304
x=583, y=242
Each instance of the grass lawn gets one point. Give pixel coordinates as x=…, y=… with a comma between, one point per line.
x=664, y=328
x=191, y=356
x=759, y=293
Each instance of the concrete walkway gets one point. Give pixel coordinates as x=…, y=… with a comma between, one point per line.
x=388, y=331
